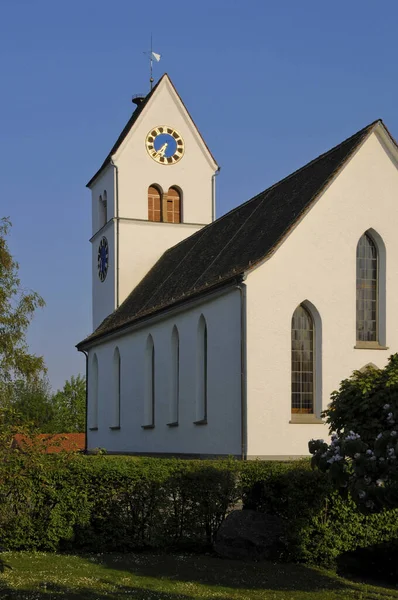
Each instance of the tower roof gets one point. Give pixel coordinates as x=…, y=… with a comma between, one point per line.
x=133, y=119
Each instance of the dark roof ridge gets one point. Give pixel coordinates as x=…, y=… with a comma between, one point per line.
x=294, y=173
x=286, y=178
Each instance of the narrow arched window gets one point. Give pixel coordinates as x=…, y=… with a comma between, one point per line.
x=116, y=390
x=173, y=206
x=93, y=414
x=367, y=289
x=102, y=211
x=154, y=203
x=149, y=407
x=105, y=205
x=303, y=361
x=201, y=371
x=174, y=377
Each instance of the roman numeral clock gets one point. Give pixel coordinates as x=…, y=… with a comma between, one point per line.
x=165, y=145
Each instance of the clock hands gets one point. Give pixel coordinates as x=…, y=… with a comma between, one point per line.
x=162, y=150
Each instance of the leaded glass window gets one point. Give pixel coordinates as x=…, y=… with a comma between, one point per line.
x=302, y=361
x=367, y=288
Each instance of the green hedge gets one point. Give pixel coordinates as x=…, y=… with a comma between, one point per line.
x=320, y=524
x=106, y=503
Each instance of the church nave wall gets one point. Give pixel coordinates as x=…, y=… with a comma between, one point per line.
x=316, y=266
x=201, y=423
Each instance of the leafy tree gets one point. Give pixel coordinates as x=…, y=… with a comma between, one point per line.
x=17, y=307
x=362, y=457
x=69, y=407
x=31, y=401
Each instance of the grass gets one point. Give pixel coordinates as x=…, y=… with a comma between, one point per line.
x=41, y=576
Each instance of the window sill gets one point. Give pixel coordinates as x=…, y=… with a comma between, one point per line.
x=307, y=419
x=369, y=346
x=148, y=426
x=114, y=427
x=174, y=424
x=201, y=422
x=93, y=428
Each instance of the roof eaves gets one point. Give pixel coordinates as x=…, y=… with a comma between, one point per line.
x=193, y=123
x=204, y=290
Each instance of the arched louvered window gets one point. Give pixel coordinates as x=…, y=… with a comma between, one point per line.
x=303, y=361
x=149, y=406
x=102, y=210
x=174, y=377
x=93, y=396
x=154, y=203
x=172, y=209
x=201, y=371
x=367, y=289
x=115, y=424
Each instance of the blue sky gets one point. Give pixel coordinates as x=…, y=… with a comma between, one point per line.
x=270, y=85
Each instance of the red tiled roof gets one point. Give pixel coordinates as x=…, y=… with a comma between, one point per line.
x=52, y=442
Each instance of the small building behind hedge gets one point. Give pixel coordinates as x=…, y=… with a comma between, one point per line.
x=51, y=443
x=226, y=336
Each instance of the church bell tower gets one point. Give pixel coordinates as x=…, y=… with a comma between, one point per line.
x=155, y=188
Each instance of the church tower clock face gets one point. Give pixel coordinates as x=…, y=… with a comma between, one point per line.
x=165, y=145
x=103, y=258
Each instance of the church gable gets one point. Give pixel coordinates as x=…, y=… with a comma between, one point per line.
x=162, y=100
x=240, y=240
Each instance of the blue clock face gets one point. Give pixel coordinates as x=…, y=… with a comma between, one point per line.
x=165, y=145
x=103, y=258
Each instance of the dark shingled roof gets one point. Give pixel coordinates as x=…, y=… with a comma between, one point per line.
x=232, y=244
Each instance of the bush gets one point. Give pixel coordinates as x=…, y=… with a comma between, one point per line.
x=378, y=562
x=108, y=503
x=320, y=523
x=362, y=457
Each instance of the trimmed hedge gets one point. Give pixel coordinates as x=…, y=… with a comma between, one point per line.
x=107, y=503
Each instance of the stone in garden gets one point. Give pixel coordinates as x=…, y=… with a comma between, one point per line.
x=247, y=534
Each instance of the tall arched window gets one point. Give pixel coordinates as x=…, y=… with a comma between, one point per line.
x=201, y=372
x=115, y=423
x=149, y=406
x=93, y=414
x=367, y=290
x=303, y=362
x=174, y=377
x=172, y=209
x=154, y=203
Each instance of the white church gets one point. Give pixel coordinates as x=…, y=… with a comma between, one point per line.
x=226, y=337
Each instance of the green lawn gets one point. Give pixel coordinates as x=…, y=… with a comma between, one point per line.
x=40, y=576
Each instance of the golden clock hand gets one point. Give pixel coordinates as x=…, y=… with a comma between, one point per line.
x=162, y=150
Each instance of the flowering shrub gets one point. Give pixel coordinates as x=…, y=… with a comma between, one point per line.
x=362, y=456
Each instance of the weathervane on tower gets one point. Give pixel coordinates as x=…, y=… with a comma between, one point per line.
x=153, y=56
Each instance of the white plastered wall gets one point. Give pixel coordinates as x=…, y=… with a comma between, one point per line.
x=104, y=292
x=222, y=434
x=103, y=183
x=317, y=263
x=137, y=170
x=140, y=242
